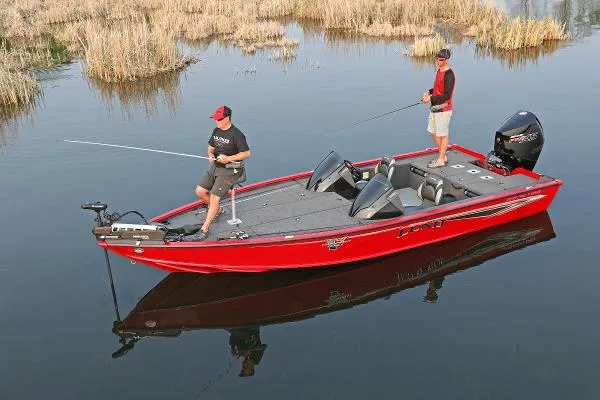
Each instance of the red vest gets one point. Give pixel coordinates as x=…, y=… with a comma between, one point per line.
x=438, y=88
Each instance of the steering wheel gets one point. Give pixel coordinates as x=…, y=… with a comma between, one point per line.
x=356, y=175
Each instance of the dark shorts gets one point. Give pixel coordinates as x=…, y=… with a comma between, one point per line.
x=219, y=180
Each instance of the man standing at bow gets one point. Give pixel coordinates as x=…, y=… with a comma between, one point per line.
x=440, y=97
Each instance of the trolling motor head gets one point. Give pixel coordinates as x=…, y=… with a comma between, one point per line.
x=518, y=142
x=99, y=208
x=96, y=206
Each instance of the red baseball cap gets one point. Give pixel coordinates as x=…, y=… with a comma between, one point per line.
x=221, y=113
x=443, y=54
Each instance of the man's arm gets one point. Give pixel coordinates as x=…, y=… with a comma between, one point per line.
x=448, y=87
x=243, y=150
x=211, y=152
x=242, y=155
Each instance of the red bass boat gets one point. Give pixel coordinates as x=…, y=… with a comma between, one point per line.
x=343, y=212
x=241, y=303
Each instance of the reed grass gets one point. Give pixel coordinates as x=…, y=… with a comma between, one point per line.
x=16, y=88
x=285, y=55
x=386, y=29
x=426, y=46
x=518, y=33
x=132, y=39
x=130, y=52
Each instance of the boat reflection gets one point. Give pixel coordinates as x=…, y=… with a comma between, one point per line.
x=241, y=303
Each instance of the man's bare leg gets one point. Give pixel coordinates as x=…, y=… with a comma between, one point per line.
x=213, y=209
x=443, y=147
x=203, y=194
x=437, y=140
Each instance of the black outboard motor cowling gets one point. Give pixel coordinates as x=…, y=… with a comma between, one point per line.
x=519, y=141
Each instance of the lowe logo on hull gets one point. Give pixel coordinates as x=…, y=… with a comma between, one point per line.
x=405, y=230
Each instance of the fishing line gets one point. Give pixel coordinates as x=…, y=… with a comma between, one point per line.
x=372, y=118
x=140, y=148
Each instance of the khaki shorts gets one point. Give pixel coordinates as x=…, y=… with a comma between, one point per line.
x=219, y=180
x=439, y=123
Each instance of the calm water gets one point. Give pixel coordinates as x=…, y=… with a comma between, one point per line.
x=520, y=325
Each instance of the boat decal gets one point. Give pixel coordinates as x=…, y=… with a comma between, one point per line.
x=485, y=212
x=334, y=244
x=437, y=223
x=494, y=210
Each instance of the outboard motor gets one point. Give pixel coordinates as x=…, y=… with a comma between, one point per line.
x=518, y=142
x=377, y=200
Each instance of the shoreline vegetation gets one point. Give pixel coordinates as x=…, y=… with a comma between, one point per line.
x=128, y=40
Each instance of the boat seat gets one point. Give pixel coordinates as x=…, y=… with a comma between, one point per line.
x=386, y=166
x=241, y=179
x=431, y=189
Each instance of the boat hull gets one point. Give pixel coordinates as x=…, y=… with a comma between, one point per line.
x=344, y=245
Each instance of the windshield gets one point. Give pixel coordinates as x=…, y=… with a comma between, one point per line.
x=376, y=187
x=332, y=162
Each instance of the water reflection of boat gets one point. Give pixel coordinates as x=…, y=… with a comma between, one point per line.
x=241, y=303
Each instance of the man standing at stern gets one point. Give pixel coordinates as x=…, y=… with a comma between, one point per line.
x=227, y=144
x=440, y=97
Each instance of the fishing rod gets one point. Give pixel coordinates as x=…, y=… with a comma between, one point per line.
x=372, y=118
x=210, y=158
x=141, y=148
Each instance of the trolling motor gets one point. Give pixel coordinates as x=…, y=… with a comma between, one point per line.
x=518, y=143
x=108, y=227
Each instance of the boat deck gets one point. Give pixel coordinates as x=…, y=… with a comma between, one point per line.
x=284, y=208
x=289, y=209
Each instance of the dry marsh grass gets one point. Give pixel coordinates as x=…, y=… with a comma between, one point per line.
x=386, y=29
x=518, y=33
x=283, y=55
x=132, y=39
x=17, y=88
x=426, y=46
x=130, y=52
